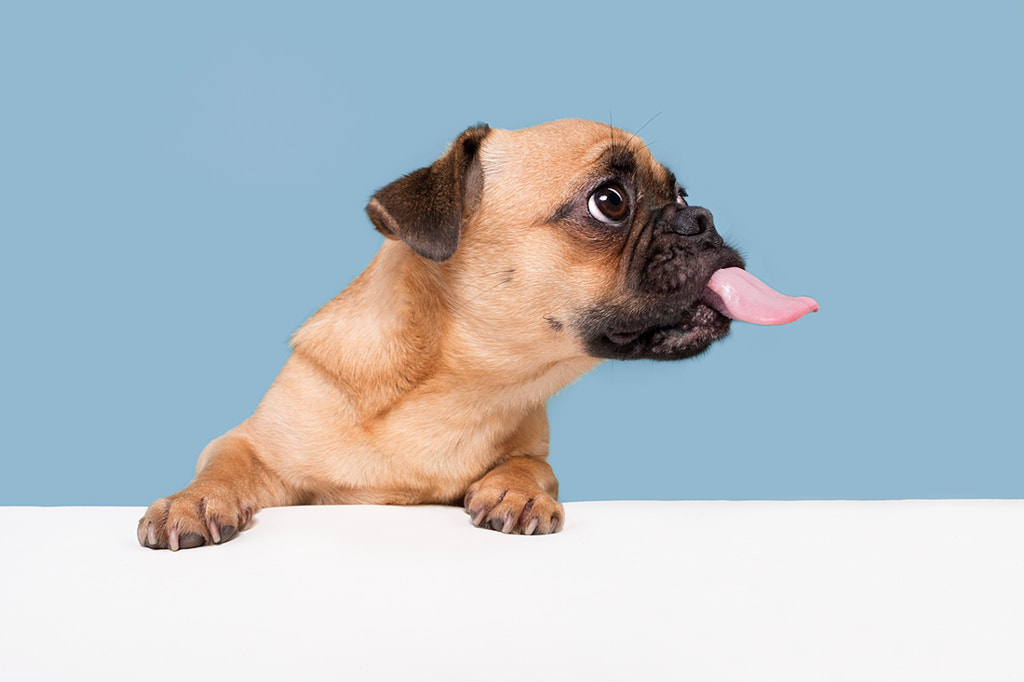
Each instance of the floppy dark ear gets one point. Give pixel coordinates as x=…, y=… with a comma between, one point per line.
x=425, y=208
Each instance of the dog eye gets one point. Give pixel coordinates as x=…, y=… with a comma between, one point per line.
x=681, y=196
x=609, y=204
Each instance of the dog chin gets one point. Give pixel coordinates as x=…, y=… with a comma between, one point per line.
x=612, y=336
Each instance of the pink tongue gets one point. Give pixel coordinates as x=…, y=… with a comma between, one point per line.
x=736, y=293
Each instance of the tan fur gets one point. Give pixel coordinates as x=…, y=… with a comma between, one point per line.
x=424, y=381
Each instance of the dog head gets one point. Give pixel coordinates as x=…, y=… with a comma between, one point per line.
x=567, y=238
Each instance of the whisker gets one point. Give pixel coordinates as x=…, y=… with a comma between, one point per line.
x=637, y=133
x=488, y=275
x=505, y=280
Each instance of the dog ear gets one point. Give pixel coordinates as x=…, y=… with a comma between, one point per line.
x=425, y=208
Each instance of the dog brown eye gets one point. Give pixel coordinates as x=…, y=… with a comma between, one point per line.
x=609, y=204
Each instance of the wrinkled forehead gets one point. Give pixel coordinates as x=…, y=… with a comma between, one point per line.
x=571, y=154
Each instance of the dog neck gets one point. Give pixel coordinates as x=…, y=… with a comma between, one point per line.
x=392, y=333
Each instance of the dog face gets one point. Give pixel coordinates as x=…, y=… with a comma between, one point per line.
x=564, y=239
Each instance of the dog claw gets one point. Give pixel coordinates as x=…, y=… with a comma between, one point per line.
x=147, y=535
x=214, y=531
x=476, y=514
x=220, y=534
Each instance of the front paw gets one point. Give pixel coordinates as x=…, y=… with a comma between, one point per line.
x=190, y=519
x=513, y=511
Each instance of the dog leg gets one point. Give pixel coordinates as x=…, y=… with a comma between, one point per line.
x=229, y=488
x=517, y=496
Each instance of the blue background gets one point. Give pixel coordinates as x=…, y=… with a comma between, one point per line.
x=182, y=185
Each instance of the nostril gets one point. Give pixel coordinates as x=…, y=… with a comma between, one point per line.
x=706, y=222
x=693, y=221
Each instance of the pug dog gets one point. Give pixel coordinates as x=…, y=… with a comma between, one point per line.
x=512, y=265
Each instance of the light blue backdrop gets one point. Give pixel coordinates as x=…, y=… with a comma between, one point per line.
x=182, y=184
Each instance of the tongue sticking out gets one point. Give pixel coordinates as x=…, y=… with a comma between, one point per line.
x=737, y=294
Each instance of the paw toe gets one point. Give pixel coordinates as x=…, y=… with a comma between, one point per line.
x=190, y=540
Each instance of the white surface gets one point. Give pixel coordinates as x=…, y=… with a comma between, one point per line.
x=822, y=591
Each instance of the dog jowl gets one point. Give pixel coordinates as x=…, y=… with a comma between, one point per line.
x=511, y=265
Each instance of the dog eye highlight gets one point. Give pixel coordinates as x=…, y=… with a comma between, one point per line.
x=609, y=204
x=681, y=196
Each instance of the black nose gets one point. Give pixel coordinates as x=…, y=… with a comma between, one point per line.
x=692, y=221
